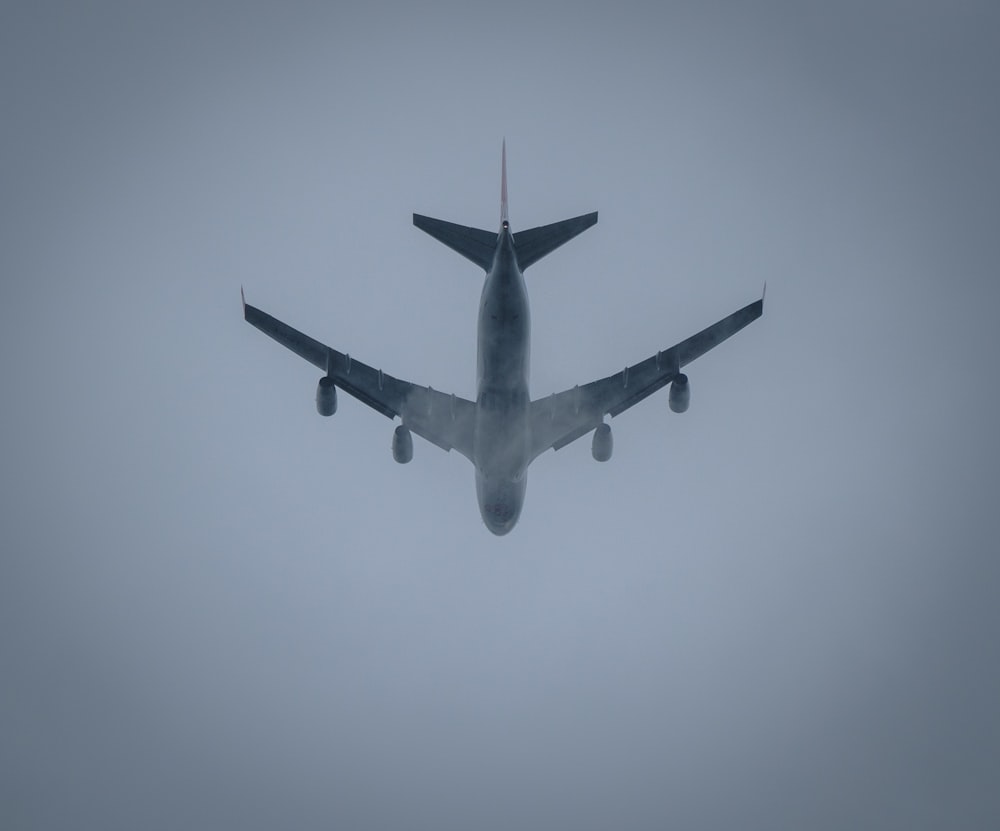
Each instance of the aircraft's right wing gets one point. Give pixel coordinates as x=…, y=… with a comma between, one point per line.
x=445, y=420
x=564, y=417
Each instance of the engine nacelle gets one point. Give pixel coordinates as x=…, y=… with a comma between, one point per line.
x=680, y=393
x=603, y=443
x=402, y=445
x=326, y=396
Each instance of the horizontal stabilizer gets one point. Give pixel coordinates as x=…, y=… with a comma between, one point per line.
x=535, y=243
x=472, y=243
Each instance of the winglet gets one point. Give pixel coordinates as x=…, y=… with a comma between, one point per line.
x=504, y=219
x=243, y=299
x=763, y=294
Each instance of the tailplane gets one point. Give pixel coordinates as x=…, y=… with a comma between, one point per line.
x=480, y=246
x=472, y=243
x=535, y=243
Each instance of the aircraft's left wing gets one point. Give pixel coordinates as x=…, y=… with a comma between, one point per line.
x=566, y=416
x=445, y=420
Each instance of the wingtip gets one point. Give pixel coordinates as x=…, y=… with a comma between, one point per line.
x=243, y=300
x=763, y=294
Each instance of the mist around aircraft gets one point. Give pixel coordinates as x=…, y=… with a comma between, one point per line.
x=503, y=430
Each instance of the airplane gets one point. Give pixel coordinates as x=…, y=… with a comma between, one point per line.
x=503, y=430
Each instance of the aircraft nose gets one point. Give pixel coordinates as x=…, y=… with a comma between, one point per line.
x=499, y=527
x=499, y=516
x=499, y=503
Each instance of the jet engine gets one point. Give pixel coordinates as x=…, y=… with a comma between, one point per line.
x=680, y=393
x=326, y=396
x=402, y=445
x=603, y=443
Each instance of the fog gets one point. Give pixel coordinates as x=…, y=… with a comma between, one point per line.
x=777, y=610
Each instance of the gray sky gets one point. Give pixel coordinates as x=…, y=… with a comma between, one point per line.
x=218, y=609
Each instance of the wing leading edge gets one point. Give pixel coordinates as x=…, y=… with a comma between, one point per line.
x=445, y=420
x=566, y=416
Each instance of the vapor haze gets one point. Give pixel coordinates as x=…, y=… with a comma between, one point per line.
x=777, y=611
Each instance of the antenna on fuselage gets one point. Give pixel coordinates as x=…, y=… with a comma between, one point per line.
x=504, y=219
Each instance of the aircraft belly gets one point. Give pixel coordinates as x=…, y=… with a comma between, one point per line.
x=502, y=440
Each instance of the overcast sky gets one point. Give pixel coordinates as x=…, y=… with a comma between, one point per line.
x=777, y=611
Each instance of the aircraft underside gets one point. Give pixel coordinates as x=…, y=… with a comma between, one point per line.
x=503, y=430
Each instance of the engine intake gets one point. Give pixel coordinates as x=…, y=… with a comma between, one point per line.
x=326, y=396
x=603, y=443
x=680, y=393
x=402, y=445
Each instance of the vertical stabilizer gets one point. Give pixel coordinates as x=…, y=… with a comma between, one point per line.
x=504, y=219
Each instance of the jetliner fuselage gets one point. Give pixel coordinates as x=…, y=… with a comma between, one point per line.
x=501, y=443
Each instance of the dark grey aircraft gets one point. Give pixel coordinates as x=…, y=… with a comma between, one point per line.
x=503, y=430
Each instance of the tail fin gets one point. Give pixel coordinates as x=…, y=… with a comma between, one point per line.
x=535, y=243
x=504, y=218
x=480, y=246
